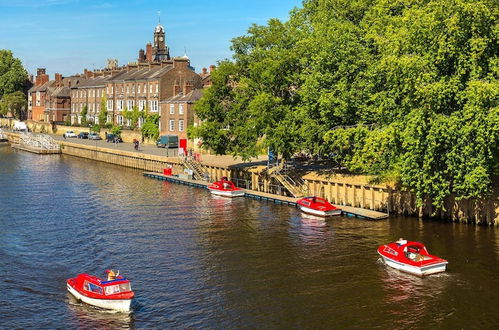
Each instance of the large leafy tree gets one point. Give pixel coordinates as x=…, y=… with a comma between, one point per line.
x=12, y=73
x=399, y=89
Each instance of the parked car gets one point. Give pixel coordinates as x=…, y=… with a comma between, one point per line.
x=94, y=136
x=70, y=134
x=83, y=135
x=167, y=141
x=113, y=138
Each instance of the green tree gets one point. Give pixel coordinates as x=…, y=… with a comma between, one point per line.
x=12, y=73
x=404, y=90
x=16, y=103
x=103, y=111
x=83, y=115
x=150, y=128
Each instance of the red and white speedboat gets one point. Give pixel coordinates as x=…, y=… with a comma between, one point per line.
x=115, y=293
x=411, y=257
x=317, y=206
x=225, y=188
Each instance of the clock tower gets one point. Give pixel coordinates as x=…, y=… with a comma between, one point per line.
x=159, y=50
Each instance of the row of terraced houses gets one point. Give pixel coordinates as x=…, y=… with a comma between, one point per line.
x=156, y=83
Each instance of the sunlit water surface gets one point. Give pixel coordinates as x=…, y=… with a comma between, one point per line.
x=198, y=261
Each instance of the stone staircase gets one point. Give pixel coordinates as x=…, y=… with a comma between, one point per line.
x=196, y=168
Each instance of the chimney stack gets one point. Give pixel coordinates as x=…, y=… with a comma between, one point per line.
x=149, y=52
x=212, y=67
x=188, y=87
x=88, y=74
x=41, y=77
x=176, y=88
x=142, y=56
x=205, y=70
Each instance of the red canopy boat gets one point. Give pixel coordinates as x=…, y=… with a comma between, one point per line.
x=115, y=293
x=317, y=206
x=411, y=257
x=225, y=188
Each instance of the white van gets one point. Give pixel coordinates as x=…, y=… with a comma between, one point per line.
x=20, y=126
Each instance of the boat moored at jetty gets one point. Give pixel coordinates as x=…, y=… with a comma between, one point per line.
x=317, y=206
x=115, y=293
x=225, y=188
x=411, y=257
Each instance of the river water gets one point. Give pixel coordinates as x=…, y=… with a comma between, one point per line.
x=197, y=261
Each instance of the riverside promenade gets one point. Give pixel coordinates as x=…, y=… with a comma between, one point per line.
x=153, y=160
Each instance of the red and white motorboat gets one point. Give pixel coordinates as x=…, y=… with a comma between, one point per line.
x=411, y=257
x=317, y=206
x=115, y=293
x=225, y=188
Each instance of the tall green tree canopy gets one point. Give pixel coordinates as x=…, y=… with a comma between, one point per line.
x=12, y=73
x=16, y=103
x=400, y=89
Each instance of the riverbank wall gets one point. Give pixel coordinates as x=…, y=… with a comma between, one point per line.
x=352, y=191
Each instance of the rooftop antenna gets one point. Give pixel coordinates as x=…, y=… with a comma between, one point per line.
x=159, y=17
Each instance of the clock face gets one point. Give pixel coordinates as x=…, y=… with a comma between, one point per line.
x=160, y=38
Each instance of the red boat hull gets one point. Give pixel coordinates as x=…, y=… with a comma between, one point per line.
x=318, y=206
x=114, y=294
x=411, y=257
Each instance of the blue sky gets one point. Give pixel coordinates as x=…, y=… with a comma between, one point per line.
x=67, y=36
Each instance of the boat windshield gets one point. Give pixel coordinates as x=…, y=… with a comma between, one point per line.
x=118, y=288
x=92, y=287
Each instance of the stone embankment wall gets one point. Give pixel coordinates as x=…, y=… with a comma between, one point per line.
x=351, y=191
x=387, y=199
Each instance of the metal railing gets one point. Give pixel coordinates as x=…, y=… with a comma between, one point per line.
x=38, y=141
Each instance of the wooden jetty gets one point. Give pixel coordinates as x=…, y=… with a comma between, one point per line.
x=347, y=210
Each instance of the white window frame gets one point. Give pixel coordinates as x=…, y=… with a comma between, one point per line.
x=171, y=126
x=180, y=109
x=172, y=109
x=181, y=125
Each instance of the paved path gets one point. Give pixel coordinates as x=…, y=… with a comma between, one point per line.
x=213, y=160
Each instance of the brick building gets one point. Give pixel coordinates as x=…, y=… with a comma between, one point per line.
x=49, y=100
x=177, y=112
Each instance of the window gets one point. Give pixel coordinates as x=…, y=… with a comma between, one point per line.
x=133, y=88
x=157, y=87
x=119, y=119
x=181, y=125
x=180, y=109
x=138, y=88
x=172, y=125
x=92, y=287
x=150, y=88
x=141, y=121
x=127, y=89
x=172, y=109
x=109, y=104
x=154, y=106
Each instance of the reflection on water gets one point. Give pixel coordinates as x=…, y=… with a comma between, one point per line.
x=408, y=297
x=202, y=261
x=88, y=317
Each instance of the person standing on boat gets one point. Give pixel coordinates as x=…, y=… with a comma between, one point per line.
x=401, y=241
